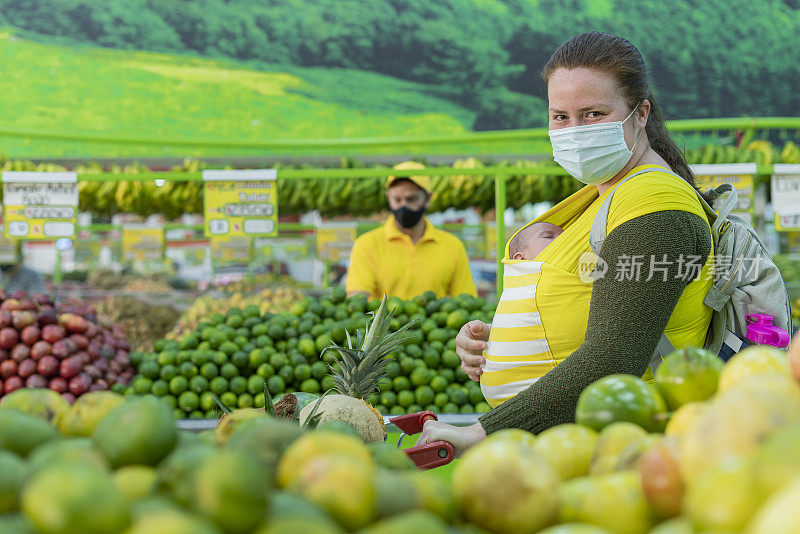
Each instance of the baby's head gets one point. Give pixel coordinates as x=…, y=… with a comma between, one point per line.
x=531, y=240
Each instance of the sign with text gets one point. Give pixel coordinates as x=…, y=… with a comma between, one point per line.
x=142, y=243
x=740, y=175
x=231, y=249
x=335, y=242
x=240, y=203
x=785, y=185
x=39, y=205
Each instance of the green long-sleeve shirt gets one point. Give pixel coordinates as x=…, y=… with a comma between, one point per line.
x=626, y=320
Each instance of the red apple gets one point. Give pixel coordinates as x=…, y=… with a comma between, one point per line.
x=12, y=384
x=93, y=372
x=36, y=381
x=80, y=341
x=80, y=384
x=10, y=305
x=107, y=351
x=5, y=318
x=30, y=334
x=123, y=344
x=26, y=368
x=94, y=350
x=18, y=294
x=48, y=366
x=8, y=368
x=60, y=349
x=21, y=319
x=27, y=304
x=58, y=384
x=82, y=357
x=8, y=338
x=53, y=332
x=4, y=355
x=43, y=300
x=102, y=364
x=73, y=323
x=40, y=349
x=20, y=352
x=92, y=330
x=69, y=367
x=69, y=397
x=47, y=316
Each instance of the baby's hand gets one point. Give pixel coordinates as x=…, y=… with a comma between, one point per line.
x=470, y=344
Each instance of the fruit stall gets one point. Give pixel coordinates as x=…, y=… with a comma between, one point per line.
x=245, y=398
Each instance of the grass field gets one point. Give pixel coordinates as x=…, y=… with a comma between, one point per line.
x=116, y=93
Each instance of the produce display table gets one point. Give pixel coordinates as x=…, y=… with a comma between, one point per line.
x=457, y=419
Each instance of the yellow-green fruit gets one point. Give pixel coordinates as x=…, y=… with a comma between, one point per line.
x=39, y=402
x=315, y=444
x=12, y=474
x=611, y=442
x=341, y=485
x=575, y=528
x=723, y=498
x=71, y=451
x=614, y=501
x=779, y=514
x=757, y=359
x=69, y=499
x=683, y=418
x=140, y=431
x=512, y=435
x=568, y=448
x=135, y=481
x=504, y=486
x=231, y=489
x=418, y=521
x=171, y=522
x=20, y=433
x=679, y=525
x=436, y=495
x=777, y=460
x=738, y=420
x=298, y=524
x=394, y=493
x=228, y=422
x=83, y=416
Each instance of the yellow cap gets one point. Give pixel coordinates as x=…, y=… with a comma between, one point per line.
x=423, y=182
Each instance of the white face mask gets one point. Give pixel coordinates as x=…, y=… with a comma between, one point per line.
x=593, y=153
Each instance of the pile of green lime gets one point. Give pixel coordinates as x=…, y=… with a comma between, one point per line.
x=233, y=355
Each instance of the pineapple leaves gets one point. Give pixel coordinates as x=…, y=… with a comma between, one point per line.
x=221, y=404
x=268, y=407
x=313, y=418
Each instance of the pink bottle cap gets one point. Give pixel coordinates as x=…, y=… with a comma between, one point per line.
x=762, y=331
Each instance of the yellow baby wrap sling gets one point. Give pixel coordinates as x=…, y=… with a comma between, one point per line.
x=543, y=312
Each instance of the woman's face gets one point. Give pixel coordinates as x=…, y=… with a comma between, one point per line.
x=582, y=96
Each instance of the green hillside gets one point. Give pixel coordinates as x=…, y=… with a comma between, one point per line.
x=116, y=93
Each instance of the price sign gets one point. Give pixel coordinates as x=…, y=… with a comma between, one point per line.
x=39, y=205
x=740, y=175
x=335, y=242
x=142, y=243
x=785, y=185
x=231, y=249
x=8, y=250
x=241, y=203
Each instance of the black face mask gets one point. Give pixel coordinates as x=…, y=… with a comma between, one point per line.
x=406, y=217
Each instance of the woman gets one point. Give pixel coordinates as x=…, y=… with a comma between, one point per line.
x=604, y=125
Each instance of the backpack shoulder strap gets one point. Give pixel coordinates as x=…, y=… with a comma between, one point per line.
x=599, y=230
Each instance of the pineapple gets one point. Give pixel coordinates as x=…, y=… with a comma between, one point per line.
x=361, y=367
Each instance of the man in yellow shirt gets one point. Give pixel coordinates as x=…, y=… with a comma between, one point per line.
x=408, y=255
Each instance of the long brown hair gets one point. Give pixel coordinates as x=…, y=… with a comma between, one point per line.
x=618, y=57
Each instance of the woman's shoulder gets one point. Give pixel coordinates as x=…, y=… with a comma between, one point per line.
x=657, y=189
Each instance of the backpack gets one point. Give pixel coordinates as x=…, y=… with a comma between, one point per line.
x=738, y=290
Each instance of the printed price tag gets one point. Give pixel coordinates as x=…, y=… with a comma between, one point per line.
x=335, y=242
x=241, y=203
x=231, y=249
x=141, y=243
x=785, y=185
x=39, y=205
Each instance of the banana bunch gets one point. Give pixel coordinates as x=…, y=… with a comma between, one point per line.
x=759, y=151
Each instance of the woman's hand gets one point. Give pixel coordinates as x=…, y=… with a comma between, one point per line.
x=461, y=437
x=470, y=344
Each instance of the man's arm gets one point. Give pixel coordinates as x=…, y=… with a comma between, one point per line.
x=361, y=275
x=462, y=277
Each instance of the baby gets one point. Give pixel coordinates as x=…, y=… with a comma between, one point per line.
x=531, y=240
